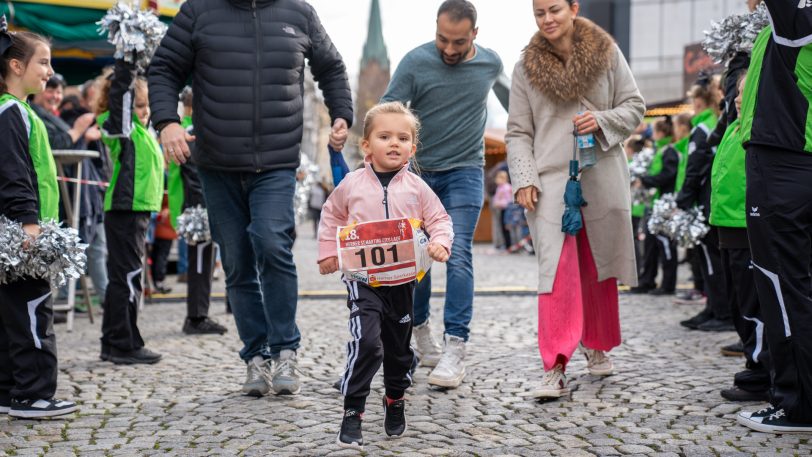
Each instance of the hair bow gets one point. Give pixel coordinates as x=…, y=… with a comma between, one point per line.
x=5, y=37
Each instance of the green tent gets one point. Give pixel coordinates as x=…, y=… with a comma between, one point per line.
x=79, y=52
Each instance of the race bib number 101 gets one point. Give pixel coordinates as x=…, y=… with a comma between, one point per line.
x=383, y=253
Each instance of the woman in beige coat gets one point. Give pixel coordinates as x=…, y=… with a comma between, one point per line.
x=572, y=66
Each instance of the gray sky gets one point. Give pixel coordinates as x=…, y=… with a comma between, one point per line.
x=504, y=26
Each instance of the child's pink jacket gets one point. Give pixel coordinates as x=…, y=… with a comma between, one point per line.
x=360, y=198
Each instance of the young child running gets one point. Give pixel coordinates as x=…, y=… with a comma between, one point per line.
x=381, y=317
x=136, y=189
x=28, y=194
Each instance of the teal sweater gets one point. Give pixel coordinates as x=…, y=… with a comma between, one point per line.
x=451, y=103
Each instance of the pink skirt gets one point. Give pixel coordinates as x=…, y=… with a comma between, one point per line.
x=579, y=309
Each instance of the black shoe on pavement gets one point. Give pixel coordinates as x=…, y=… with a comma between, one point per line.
x=689, y=297
x=105, y=352
x=641, y=289
x=733, y=350
x=350, y=434
x=36, y=409
x=737, y=394
x=660, y=291
x=694, y=322
x=206, y=326
x=717, y=325
x=138, y=356
x=161, y=288
x=777, y=423
x=394, y=421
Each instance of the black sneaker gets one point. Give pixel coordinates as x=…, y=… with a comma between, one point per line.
x=394, y=419
x=717, y=325
x=777, y=422
x=35, y=409
x=733, y=350
x=641, y=289
x=694, y=322
x=105, y=352
x=744, y=416
x=205, y=326
x=138, y=356
x=737, y=394
x=660, y=292
x=689, y=297
x=350, y=434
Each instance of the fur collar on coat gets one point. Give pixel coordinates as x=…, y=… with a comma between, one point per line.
x=593, y=52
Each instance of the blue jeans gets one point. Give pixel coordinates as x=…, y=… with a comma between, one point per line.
x=251, y=218
x=461, y=191
x=97, y=261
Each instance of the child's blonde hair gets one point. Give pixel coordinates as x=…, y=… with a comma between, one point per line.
x=102, y=100
x=391, y=108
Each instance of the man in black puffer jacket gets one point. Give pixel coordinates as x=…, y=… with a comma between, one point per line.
x=246, y=59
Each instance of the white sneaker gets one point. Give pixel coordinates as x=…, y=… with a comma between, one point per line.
x=597, y=362
x=285, y=377
x=450, y=369
x=257, y=378
x=553, y=384
x=427, y=348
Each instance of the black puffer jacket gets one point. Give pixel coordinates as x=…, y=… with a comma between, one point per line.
x=246, y=59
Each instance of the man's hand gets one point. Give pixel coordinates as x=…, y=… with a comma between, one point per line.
x=437, y=252
x=174, y=139
x=585, y=123
x=527, y=197
x=328, y=265
x=338, y=135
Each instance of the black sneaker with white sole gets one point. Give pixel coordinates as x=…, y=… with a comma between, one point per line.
x=394, y=420
x=777, y=423
x=36, y=409
x=350, y=434
x=744, y=416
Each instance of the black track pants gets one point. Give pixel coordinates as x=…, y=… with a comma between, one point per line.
x=201, y=266
x=125, y=232
x=659, y=250
x=744, y=308
x=28, y=365
x=713, y=275
x=779, y=223
x=381, y=331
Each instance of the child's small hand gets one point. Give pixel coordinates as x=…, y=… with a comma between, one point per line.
x=33, y=231
x=437, y=252
x=328, y=265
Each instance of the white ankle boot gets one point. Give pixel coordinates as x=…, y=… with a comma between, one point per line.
x=450, y=369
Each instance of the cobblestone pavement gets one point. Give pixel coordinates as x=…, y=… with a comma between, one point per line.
x=663, y=400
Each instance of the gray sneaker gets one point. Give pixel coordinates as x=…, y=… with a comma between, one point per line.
x=257, y=380
x=451, y=369
x=285, y=377
x=427, y=348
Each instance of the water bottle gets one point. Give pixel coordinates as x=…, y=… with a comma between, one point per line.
x=587, y=152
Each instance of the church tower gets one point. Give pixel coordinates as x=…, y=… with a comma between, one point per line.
x=373, y=77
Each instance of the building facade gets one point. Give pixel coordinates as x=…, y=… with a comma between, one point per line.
x=656, y=36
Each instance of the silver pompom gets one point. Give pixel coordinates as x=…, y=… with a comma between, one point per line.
x=735, y=33
x=12, y=238
x=193, y=225
x=132, y=32
x=641, y=161
x=306, y=177
x=687, y=228
x=57, y=255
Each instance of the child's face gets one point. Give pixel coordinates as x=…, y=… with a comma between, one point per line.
x=391, y=143
x=740, y=96
x=36, y=73
x=141, y=107
x=501, y=178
